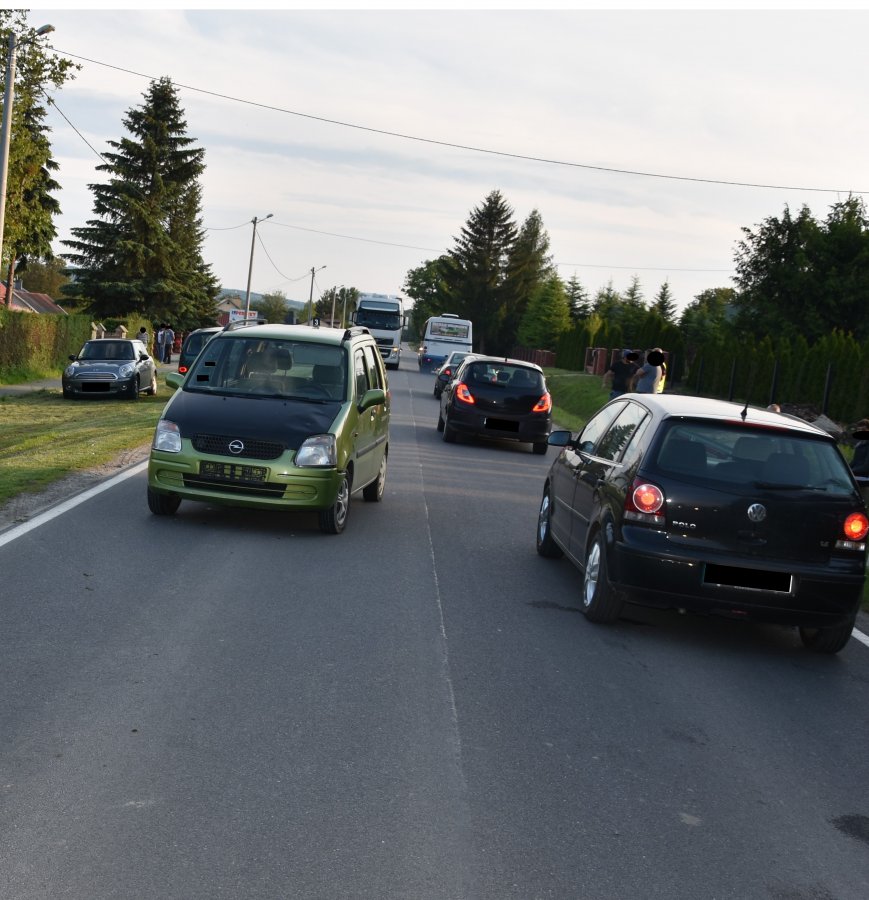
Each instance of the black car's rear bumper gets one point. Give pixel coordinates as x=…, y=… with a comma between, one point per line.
x=529, y=428
x=786, y=592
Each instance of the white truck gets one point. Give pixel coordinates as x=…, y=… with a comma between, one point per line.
x=382, y=315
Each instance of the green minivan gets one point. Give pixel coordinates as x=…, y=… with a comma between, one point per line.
x=291, y=417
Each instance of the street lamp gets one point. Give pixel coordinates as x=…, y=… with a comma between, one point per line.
x=254, y=220
x=8, y=100
x=311, y=295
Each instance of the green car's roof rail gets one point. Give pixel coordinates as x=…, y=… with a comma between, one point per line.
x=243, y=323
x=353, y=332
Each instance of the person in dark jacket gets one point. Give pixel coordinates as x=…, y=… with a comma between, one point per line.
x=860, y=462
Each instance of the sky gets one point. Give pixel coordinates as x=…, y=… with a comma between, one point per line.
x=645, y=139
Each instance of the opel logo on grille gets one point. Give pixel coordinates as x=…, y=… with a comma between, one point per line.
x=757, y=512
x=237, y=446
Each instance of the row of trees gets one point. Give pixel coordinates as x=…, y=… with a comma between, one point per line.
x=798, y=279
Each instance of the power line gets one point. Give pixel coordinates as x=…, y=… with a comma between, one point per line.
x=455, y=146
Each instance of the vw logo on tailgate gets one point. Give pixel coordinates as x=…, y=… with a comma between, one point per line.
x=757, y=512
x=237, y=447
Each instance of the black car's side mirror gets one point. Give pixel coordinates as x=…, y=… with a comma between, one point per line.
x=561, y=439
x=72, y=357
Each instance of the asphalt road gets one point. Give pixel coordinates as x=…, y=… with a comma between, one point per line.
x=231, y=704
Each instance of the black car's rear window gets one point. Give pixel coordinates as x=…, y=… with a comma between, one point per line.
x=741, y=455
x=505, y=375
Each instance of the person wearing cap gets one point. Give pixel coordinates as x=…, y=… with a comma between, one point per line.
x=620, y=373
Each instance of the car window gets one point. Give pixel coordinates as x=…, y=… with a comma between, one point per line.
x=273, y=367
x=749, y=457
x=597, y=426
x=360, y=374
x=375, y=377
x=617, y=438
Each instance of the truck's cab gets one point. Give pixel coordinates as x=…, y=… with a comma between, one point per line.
x=382, y=315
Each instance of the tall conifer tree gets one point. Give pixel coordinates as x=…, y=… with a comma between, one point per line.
x=142, y=254
x=475, y=270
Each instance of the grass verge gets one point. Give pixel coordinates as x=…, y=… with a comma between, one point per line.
x=44, y=437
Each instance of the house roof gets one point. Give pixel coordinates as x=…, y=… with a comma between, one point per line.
x=30, y=301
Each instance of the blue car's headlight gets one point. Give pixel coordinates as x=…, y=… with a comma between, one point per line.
x=126, y=370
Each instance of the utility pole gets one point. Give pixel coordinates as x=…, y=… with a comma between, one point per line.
x=253, y=221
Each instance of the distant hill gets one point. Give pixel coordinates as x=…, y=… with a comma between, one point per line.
x=234, y=292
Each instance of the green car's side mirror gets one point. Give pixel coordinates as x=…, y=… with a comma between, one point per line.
x=174, y=379
x=373, y=397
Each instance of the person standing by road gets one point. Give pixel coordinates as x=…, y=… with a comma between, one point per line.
x=648, y=376
x=620, y=373
x=159, y=349
x=168, y=342
x=145, y=338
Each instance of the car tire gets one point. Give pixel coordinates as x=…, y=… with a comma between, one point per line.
x=163, y=504
x=600, y=603
x=827, y=640
x=546, y=546
x=440, y=422
x=333, y=519
x=449, y=433
x=134, y=393
x=152, y=391
x=540, y=447
x=373, y=493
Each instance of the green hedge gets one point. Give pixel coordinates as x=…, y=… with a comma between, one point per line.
x=36, y=346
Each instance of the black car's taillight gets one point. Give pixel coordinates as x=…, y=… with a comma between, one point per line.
x=644, y=503
x=854, y=531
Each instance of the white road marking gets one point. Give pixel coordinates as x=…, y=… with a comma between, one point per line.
x=20, y=530
x=55, y=511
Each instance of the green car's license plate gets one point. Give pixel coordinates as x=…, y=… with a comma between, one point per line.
x=233, y=471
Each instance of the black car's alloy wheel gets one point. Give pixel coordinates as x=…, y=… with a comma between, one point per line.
x=545, y=545
x=600, y=602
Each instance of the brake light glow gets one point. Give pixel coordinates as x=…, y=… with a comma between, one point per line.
x=856, y=527
x=182, y=370
x=462, y=393
x=543, y=405
x=644, y=502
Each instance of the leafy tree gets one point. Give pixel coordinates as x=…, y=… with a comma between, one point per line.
x=44, y=277
x=425, y=286
x=273, y=307
x=142, y=254
x=706, y=319
x=474, y=272
x=337, y=302
x=799, y=276
x=547, y=316
x=664, y=304
x=30, y=202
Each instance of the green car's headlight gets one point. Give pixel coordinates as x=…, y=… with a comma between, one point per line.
x=318, y=451
x=167, y=437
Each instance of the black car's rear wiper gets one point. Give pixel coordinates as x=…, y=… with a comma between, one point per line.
x=781, y=486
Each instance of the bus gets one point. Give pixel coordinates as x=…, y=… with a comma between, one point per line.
x=443, y=334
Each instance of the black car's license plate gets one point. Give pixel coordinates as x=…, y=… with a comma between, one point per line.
x=233, y=471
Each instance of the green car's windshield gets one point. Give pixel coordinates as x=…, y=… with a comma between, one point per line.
x=261, y=367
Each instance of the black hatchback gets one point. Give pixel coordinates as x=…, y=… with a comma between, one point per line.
x=691, y=503
x=492, y=397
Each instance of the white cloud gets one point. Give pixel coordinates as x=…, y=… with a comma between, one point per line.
x=760, y=97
